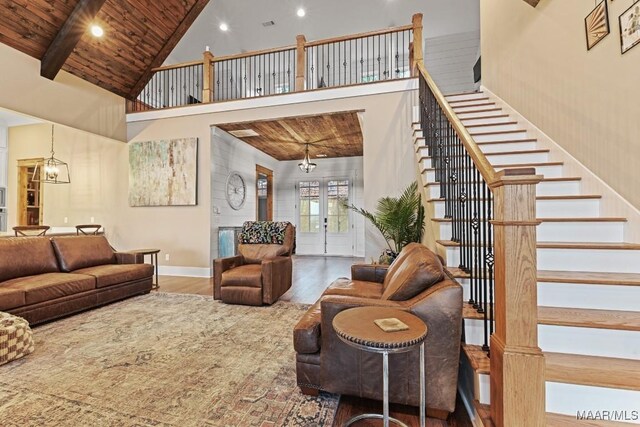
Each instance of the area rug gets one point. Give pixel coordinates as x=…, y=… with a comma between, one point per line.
x=163, y=360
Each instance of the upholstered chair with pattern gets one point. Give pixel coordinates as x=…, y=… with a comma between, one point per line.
x=261, y=273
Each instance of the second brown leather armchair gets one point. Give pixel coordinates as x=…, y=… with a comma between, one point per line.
x=262, y=272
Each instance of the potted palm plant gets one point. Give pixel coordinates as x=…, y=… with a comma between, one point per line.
x=400, y=220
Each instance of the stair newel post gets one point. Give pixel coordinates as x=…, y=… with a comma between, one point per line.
x=207, y=77
x=301, y=41
x=417, y=42
x=517, y=363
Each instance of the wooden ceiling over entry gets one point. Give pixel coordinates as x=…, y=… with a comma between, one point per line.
x=138, y=36
x=328, y=135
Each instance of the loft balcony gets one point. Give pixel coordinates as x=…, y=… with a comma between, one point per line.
x=359, y=59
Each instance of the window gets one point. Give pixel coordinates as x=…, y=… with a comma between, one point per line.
x=309, y=206
x=337, y=210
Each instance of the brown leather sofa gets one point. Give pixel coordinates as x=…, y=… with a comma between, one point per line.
x=415, y=282
x=44, y=278
x=261, y=274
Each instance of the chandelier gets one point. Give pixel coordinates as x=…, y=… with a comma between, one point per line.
x=51, y=170
x=306, y=165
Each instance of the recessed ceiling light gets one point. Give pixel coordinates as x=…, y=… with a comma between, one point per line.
x=97, y=30
x=301, y=12
x=224, y=27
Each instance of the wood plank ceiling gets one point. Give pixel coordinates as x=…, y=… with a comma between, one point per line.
x=328, y=135
x=138, y=36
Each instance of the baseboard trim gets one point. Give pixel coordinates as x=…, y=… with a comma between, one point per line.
x=173, y=270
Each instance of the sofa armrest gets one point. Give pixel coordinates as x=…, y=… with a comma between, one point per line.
x=220, y=265
x=129, y=258
x=276, y=278
x=369, y=272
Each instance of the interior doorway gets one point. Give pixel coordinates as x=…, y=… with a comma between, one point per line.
x=325, y=223
x=264, y=194
x=30, y=193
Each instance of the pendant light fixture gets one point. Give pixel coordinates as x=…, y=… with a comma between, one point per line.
x=306, y=165
x=52, y=170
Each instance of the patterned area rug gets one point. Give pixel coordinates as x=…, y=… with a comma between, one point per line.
x=163, y=360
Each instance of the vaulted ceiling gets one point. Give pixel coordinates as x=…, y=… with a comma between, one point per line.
x=138, y=36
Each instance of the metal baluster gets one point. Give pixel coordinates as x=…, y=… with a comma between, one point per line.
x=490, y=262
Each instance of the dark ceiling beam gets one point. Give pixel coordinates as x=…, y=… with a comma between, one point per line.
x=68, y=37
x=170, y=44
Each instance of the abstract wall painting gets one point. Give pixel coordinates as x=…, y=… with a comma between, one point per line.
x=596, y=24
x=630, y=27
x=163, y=172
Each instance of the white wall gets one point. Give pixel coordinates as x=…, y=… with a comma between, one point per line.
x=229, y=154
x=450, y=60
x=289, y=174
x=3, y=154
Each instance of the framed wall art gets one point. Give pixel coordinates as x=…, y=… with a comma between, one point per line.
x=630, y=27
x=163, y=172
x=596, y=24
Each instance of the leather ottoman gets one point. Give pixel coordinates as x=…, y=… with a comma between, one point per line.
x=16, y=339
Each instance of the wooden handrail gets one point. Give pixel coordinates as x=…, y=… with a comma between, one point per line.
x=253, y=53
x=360, y=35
x=174, y=66
x=484, y=167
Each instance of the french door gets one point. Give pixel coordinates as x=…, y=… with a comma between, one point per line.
x=325, y=225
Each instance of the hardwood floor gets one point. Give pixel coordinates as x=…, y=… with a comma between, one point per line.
x=311, y=276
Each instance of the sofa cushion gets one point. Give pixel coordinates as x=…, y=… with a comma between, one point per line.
x=114, y=274
x=49, y=286
x=306, y=334
x=26, y=256
x=248, y=275
x=395, y=265
x=254, y=254
x=79, y=252
x=420, y=270
x=354, y=288
x=11, y=297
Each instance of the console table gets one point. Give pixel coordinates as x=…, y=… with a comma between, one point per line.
x=356, y=328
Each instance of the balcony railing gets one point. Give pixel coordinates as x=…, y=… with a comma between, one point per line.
x=377, y=56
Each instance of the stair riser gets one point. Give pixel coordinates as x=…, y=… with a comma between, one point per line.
x=596, y=260
x=549, y=208
x=466, y=96
x=601, y=232
x=488, y=120
x=500, y=136
x=574, y=340
x=553, y=188
x=508, y=159
x=457, y=103
x=494, y=128
x=480, y=114
x=577, y=295
x=570, y=399
x=418, y=133
x=462, y=110
x=508, y=146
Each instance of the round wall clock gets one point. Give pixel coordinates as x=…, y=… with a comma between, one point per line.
x=236, y=191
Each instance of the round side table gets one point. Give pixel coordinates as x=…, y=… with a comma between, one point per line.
x=356, y=328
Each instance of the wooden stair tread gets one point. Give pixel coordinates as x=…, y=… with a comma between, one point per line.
x=588, y=277
x=567, y=197
x=498, y=132
x=502, y=153
x=486, y=110
x=568, y=219
x=577, y=317
x=495, y=116
x=486, y=98
x=567, y=245
x=507, y=141
x=560, y=179
x=478, y=104
x=481, y=125
x=596, y=371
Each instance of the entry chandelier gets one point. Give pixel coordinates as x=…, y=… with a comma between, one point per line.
x=51, y=170
x=306, y=165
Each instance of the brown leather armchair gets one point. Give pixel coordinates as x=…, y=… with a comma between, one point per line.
x=262, y=272
x=415, y=282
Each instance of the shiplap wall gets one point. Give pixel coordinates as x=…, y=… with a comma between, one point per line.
x=450, y=60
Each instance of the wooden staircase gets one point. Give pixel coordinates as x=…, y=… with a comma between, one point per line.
x=588, y=278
